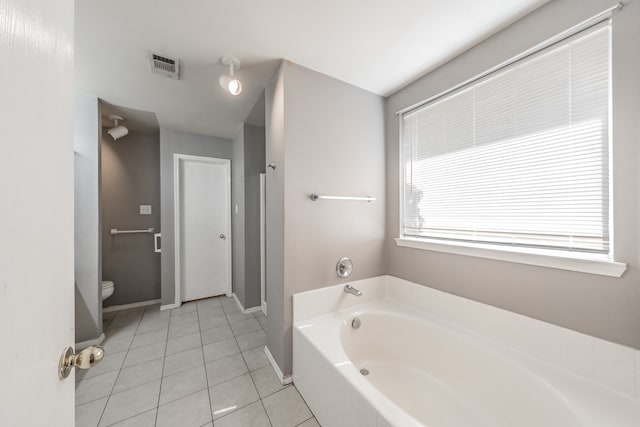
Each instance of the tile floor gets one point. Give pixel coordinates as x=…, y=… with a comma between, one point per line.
x=202, y=364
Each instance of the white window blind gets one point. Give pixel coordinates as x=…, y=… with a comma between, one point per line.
x=519, y=157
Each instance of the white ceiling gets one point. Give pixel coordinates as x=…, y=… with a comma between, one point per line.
x=378, y=45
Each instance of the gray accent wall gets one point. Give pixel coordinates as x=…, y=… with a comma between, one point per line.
x=247, y=164
x=178, y=142
x=130, y=178
x=601, y=306
x=237, y=214
x=87, y=238
x=254, y=165
x=325, y=136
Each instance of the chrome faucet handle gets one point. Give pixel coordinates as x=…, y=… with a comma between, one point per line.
x=344, y=267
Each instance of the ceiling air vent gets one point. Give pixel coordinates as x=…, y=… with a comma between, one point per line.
x=164, y=65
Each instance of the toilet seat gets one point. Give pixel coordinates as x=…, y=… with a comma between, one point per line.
x=107, y=289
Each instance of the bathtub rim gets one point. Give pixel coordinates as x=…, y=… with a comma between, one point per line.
x=601, y=399
x=337, y=356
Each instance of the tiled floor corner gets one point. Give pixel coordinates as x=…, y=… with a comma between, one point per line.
x=201, y=365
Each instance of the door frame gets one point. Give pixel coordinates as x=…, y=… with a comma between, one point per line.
x=177, y=158
x=263, y=240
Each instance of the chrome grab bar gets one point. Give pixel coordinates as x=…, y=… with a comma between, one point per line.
x=315, y=197
x=115, y=231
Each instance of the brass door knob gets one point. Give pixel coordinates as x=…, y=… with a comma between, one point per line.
x=85, y=359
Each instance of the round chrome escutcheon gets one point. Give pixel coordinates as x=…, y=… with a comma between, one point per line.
x=355, y=323
x=344, y=267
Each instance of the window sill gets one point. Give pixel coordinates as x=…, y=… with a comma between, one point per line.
x=521, y=256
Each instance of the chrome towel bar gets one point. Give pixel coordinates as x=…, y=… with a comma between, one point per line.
x=315, y=197
x=115, y=231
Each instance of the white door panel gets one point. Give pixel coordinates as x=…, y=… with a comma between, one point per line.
x=36, y=211
x=204, y=227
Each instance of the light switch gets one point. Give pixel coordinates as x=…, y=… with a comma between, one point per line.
x=145, y=209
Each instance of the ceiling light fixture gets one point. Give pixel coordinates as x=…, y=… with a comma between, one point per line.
x=229, y=82
x=117, y=132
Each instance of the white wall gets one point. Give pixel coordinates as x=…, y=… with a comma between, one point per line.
x=604, y=307
x=88, y=241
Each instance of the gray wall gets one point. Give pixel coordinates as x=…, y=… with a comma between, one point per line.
x=254, y=164
x=87, y=241
x=237, y=214
x=247, y=163
x=130, y=178
x=274, y=128
x=601, y=306
x=172, y=142
x=332, y=142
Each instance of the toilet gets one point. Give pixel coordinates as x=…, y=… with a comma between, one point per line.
x=107, y=289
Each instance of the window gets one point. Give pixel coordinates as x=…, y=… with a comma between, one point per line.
x=518, y=159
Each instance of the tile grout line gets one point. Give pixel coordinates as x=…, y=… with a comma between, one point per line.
x=127, y=389
x=312, y=416
x=307, y=405
x=245, y=364
x=235, y=378
x=128, y=418
x=248, y=373
x=119, y=370
x=164, y=358
x=251, y=376
x=284, y=387
x=171, y=401
x=124, y=367
x=133, y=337
x=206, y=373
x=227, y=313
x=264, y=408
x=137, y=364
x=230, y=379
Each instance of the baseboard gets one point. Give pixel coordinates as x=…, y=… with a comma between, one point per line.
x=169, y=306
x=246, y=310
x=252, y=310
x=264, y=308
x=85, y=344
x=284, y=380
x=129, y=306
x=235, y=297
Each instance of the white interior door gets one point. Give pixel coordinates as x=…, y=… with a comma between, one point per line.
x=205, y=225
x=36, y=211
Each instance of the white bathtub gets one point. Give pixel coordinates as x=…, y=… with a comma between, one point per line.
x=442, y=361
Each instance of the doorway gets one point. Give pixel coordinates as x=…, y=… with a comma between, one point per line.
x=129, y=203
x=202, y=226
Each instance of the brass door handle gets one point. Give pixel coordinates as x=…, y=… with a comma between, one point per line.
x=85, y=359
